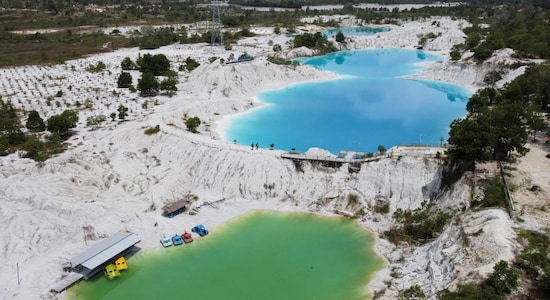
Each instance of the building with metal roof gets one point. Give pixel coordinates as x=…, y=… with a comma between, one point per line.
x=94, y=259
x=175, y=208
x=91, y=261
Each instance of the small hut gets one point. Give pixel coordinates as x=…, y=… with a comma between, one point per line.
x=175, y=208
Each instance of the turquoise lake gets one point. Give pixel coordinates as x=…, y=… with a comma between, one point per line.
x=264, y=255
x=371, y=104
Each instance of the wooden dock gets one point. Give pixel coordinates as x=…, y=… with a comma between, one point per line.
x=66, y=282
x=335, y=159
x=360, y=157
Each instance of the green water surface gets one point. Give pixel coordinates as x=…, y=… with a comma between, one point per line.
x=261, y=255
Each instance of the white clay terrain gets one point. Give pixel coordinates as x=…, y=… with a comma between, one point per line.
x=112, y=177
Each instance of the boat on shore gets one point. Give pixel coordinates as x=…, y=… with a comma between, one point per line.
x=166, y=242
x=121, y=264
x=187, y=238
x=111, y=271
x=177, y=240
x=200, y=230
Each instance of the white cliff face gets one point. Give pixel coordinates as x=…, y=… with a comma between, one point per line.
x=466, y=251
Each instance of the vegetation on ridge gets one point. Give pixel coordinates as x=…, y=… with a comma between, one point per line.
x=417, y=226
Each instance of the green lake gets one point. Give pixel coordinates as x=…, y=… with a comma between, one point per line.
x=260, y=255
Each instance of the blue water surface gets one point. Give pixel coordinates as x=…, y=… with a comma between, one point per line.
x=370, y=105
x=354, y=31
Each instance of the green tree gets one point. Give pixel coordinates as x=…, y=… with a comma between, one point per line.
x=191, y=64
x=122, y=112
x=62, y=123
x=127, y=64
x=7, y=111
x=483, y=51
x=193, y=123
x=148, y=84
x=510, y=129
x=34, y=122
x=455, y=55
x=169, y=85
x=472, y=40
x=340, y=38
x=154, y=64
x=124, y=80
x=502, y=282
x=470, y=140
x=10, y=132
x=381, y=149
x=412, y=293
x=481, y=100
x=492, y=77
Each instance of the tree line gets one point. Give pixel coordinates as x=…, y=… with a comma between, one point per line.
x=34, y=143
x=501, y=121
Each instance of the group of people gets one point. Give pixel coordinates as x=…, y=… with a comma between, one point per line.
x=252, y=146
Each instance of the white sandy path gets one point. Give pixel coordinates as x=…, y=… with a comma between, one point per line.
x=109, y=177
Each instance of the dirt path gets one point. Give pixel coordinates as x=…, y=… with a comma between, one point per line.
x=531, y=182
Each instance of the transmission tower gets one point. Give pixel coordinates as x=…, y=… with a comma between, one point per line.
x=216, y=28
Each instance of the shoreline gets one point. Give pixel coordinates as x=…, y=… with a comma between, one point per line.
x=221, y=125
x=225, y=227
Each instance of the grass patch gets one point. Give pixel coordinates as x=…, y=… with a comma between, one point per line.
x=281, y=61
x=39, y=150
x=534, y=261
x=40, y=49
x=382, y=207
x=152, y=130
x=494, y=195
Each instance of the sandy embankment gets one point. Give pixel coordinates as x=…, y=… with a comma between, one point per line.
x=113, y=176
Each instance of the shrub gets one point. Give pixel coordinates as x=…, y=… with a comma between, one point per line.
x=413, y=292
x=34, y=122
x=124, y=80
x=192, y=124
x=61, y=124
x=455, y=55
x=191, y=64
x=280, y=61
x=419, y=225
x=382, y=207
x=128, y=64
x=499, y=284
x=40, y=151
x=100, y=66
x=494, y=194
x=95, y=120
x=152, y=130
